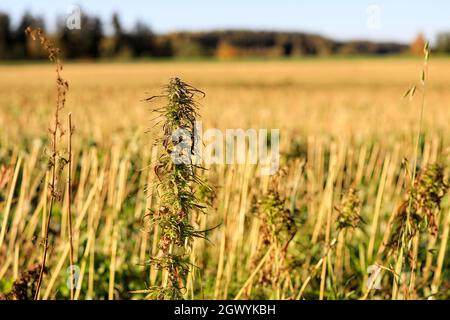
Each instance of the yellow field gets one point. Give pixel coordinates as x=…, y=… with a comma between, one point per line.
x=343, y=124
x=360, y=97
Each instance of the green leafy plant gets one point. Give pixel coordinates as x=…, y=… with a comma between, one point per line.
x=418, y=213
x=178, y=185
x=278, y=229
x=348, y=217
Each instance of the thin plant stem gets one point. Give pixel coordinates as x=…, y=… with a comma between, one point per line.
x=49, y=214
x=69, y=209
x=415, y=161
x=62, y=87
x=254, y=273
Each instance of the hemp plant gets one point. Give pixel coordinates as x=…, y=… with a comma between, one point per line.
x=278, y=229
x=417, y=214
x=425, y=197
x=177, y=187
x=349, y=217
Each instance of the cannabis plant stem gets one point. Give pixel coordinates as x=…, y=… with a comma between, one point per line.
x=255, y=272
x=326, y=257
x=348, y=217
x=69, y=209
x=316, y=267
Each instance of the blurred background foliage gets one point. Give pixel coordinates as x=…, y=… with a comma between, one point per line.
x=92, y=42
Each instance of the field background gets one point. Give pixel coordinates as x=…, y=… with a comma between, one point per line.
x=343, y=124
x=358, y=97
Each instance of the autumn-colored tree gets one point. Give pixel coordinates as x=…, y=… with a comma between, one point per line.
x=416, y=47
x=226, y=50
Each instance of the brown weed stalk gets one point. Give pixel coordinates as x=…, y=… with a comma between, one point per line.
x=62, y=87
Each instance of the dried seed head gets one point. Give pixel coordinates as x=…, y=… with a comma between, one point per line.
x=349, y=210
x=428, y=190
x=418, y=212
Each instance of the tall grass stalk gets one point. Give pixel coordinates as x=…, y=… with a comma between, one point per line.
x=69, y=203
x=410, y=94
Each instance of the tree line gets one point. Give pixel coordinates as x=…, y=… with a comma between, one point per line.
x=91, y=42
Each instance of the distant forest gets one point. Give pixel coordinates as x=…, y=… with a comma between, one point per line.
x=91, y=42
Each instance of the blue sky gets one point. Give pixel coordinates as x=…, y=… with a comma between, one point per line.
x=398, y=20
